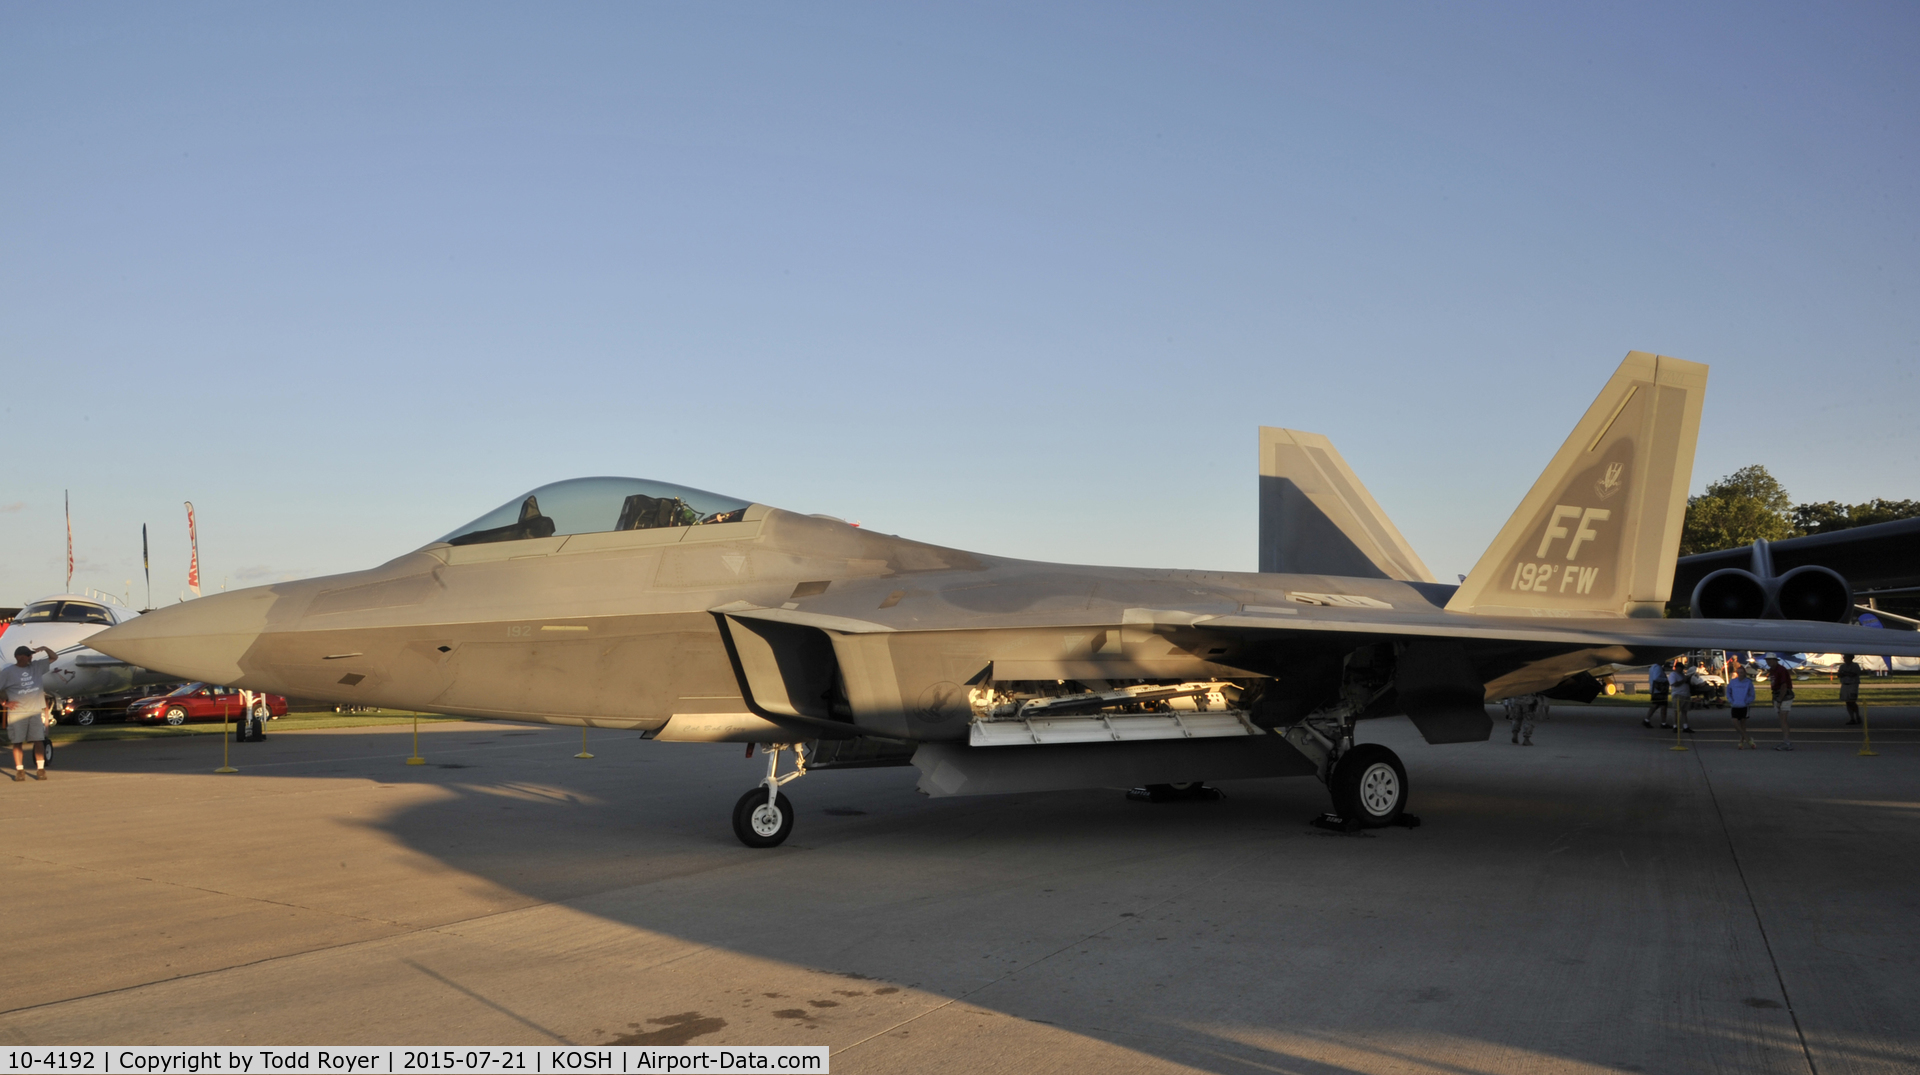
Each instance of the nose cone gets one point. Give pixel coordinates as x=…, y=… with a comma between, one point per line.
x=201, y=639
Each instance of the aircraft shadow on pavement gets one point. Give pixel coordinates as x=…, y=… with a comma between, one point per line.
x=1227, y=935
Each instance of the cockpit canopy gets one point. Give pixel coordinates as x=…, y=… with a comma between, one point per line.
x=64, y=612
x=596, y=506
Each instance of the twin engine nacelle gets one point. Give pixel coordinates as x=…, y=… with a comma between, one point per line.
x=1804, y=593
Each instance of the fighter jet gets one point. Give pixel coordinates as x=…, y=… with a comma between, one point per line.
x=690, y=616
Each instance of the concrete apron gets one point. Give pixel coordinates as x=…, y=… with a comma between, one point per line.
x=1592, y=903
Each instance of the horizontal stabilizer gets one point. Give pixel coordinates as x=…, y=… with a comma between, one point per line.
x=1317, y=519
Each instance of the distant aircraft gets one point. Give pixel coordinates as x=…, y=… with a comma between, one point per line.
x=1845, y=574
x=63, y=623
x=1830, y=575
x=690, y=616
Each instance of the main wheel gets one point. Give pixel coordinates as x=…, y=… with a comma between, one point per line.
x=1370, y=786
x=760, y=825
x=176, y=716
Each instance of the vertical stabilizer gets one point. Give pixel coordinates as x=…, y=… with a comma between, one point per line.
x=1317, y=519
x=1598, y=533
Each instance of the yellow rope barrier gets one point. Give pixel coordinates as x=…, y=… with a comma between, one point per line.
x=583, y=743
x=416, y=759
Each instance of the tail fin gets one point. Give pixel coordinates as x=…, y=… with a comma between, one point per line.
x=1317, y=519
x=1598, y=533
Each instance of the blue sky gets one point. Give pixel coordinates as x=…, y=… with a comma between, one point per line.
x=1014, y=278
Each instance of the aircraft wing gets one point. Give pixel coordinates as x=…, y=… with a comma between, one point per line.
x=1449, y=663
x=1278, y=626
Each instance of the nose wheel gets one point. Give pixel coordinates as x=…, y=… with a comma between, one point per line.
x=764, y=816
x=759, y=823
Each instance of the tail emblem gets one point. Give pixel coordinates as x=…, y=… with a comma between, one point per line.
x=1610, y=484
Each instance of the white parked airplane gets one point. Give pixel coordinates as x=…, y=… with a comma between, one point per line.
x=63, y=623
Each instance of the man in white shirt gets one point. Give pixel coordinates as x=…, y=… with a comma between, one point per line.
x=26, y=705
x=1657, y=690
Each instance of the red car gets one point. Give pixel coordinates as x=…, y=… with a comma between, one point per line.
x=199, y=701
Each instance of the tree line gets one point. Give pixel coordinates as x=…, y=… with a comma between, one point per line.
x=1750, y=505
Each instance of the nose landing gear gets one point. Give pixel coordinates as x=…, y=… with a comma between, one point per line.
x=764, y=816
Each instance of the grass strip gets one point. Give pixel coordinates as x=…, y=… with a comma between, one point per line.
x=1897, y=691
x=292, y=722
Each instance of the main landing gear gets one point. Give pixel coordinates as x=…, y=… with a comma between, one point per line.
x=764, y=816
x=1367, y=781
x=1369, y=787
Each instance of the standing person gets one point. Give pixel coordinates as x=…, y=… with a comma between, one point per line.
x=26, y=704
x=1850, y=687
x=1657, y=688
x=1522, y=711
x=1680, y=686
x=1739, y=699
x=1780, y=681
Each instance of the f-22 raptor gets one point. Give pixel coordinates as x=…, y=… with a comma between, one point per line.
x=694, y=617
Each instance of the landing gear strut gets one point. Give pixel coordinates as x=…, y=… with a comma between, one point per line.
x=1368, y=783
x=253, y=723
x=764, y=816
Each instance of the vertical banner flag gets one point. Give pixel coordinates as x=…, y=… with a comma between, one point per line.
x=193, y=564
x=68, y=498
x=146, y=565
